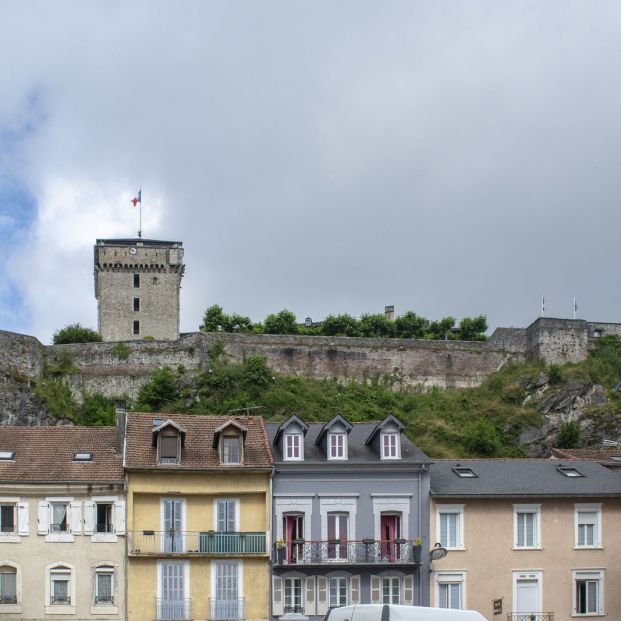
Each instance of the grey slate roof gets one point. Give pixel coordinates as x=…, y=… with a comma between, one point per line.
x=523, y=477
x=357, y=451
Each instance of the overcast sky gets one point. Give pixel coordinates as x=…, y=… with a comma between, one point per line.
x=448, y=157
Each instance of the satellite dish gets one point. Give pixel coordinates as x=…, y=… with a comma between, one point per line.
x=437, y=553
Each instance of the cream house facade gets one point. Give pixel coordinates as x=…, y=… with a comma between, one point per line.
x=527, y=540
x=62, y=524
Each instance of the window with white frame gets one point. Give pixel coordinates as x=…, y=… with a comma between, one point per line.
x=8, y=518
x=526, y=526
x=390, y=446
x=231, y=449
x=450, y=526
x=588, y=592
x=588, y=529
x=338, y=592
x=293, y=595
x=60, y=586
x=8, y=585
x=450, y=590
x=59, y=517
x=226, y=515
x=337, y=446
x=293, y=447
x=227, y=603
x=104, y=586
x=391, y=590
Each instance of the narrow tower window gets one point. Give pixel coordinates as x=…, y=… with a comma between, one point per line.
x=136, y=327
x=136, y=304
x=136, y=281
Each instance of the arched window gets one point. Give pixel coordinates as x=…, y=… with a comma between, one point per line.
x=60, y=589
x=8, y=585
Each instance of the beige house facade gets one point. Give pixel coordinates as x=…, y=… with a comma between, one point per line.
x=527, y=540
x=62, y=524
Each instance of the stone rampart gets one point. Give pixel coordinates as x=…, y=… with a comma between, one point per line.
x=122, y=368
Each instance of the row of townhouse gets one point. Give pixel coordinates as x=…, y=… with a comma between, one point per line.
x=177, y=518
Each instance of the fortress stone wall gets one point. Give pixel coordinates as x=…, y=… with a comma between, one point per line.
x=103, y=367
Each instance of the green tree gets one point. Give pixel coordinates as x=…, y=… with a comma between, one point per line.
x=377, y=325
x=97, y=410
x=410, y=326
x=443, y=329
x=482, y=438
x=569, y=435
x=473, y=328
x=237, y=323
x=161, y=390
x=340, y=325
x=213, y=319
x=75, y=333
x=256, y=375
x=283, y=322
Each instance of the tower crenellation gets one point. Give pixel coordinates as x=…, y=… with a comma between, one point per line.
x=137, y=286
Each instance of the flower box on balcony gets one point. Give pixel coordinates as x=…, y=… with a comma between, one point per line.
x=400, y=541
x=368, y=542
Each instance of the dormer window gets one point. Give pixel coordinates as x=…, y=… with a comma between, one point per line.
x=231, y=450
x=293, y=447
x=228, y=439
x=337, y=446
x=390, y=446
x=169, y=447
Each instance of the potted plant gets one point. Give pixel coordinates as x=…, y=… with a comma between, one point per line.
x=417, y=548
x=281, y=550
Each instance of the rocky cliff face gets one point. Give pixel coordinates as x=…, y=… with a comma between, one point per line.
x=583, y=403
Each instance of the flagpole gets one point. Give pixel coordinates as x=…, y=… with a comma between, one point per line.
x=140, y=215
x=574, y=308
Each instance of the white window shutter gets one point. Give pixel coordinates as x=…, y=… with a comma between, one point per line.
x=89, y=517
x=119, y=517
x=75, y=517
x=376, y=590
x=408, y=590
x=43, y=518
x=277, y=603
x=23, y=521
x=322, y=595
x=309, y=596
x=354, y=586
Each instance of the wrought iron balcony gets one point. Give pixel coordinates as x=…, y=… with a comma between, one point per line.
x=530, y=616
x=208, y=543
x=60, y=600
x=174, y=609
x=365, y=552
x=226, y=609
x=8, y=599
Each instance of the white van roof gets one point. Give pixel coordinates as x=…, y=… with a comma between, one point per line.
x=393, y=612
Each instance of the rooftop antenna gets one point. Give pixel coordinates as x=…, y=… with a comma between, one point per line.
x=137, y=200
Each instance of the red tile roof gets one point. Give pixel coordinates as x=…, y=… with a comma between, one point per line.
x=46, y=454
x=595, y=454
x=198, y=452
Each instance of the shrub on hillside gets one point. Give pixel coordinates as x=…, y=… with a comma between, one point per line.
x=75, y=333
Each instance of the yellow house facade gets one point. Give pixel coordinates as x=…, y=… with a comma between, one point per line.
x=198, y=518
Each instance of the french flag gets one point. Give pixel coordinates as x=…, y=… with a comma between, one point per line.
x=137, y=199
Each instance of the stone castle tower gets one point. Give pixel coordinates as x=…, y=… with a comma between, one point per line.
x=137, y=286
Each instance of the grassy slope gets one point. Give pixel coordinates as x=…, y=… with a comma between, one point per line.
x=483, y=421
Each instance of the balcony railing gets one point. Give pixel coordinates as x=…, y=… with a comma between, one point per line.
x=365, y=552
x=226, y=609
x=8, y=599
x=60, y=600
x=174, y=609
x=530, y=616
x=209, y=543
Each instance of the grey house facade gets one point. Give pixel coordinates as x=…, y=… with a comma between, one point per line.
x=349, y=503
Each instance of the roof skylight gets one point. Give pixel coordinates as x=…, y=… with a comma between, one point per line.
x=7, y=455
x=83, y=456
x=464, y=472
x=569, y=471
